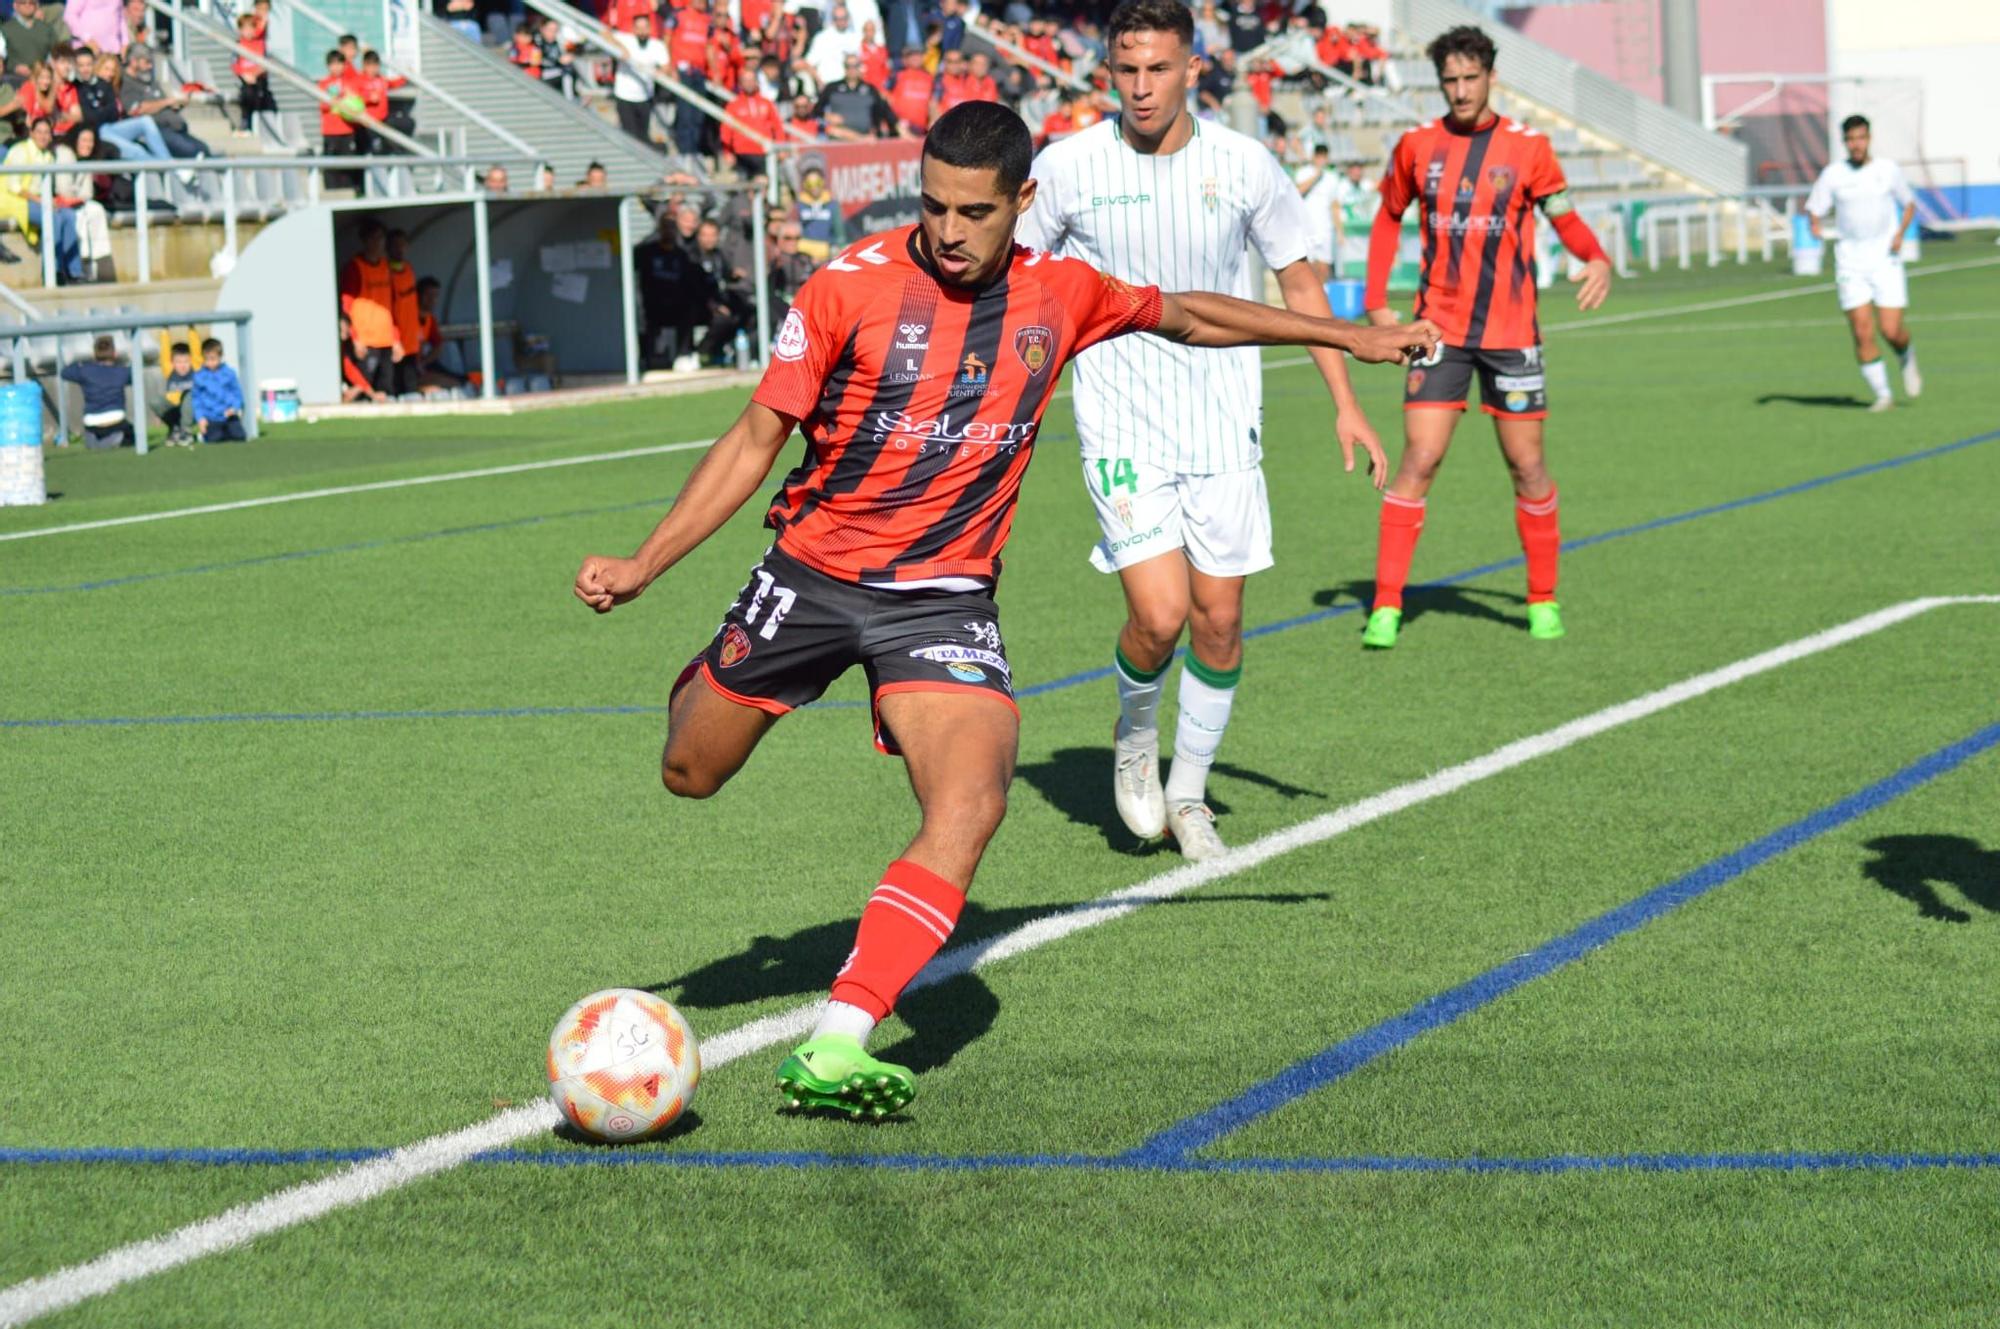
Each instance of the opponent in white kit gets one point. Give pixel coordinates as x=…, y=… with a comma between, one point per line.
x=1872, y=207
x=1172, y=435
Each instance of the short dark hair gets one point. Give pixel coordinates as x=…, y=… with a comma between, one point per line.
x=1151, y=16
x=983, y=136
x=594, y=166
x=211, y=344
x=347, y=37
x=1466, y=40
x=179, y=348
x=334, y=55
x=373, y=226
x=104, y=349
x=1854, y=122
x=427, y=283
x=366, y=56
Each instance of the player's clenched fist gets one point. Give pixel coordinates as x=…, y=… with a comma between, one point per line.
x=1392, y=344
x=605, y=583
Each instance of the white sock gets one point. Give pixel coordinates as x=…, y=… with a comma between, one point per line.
x=1138, y=697
x=841, y=1018
x=1205, y=697
x=1876, y=374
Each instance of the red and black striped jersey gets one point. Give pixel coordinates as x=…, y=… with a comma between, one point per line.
x=920, y=402
x=1476, y=192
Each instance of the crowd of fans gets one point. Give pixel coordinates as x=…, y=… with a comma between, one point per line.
x=793, y=71
x=83, y=84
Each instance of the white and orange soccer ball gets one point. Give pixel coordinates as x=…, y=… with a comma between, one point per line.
x=623, y=1064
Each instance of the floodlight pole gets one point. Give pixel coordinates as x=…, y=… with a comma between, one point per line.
x=482, y=257
x=627, y=288
x=762, y=260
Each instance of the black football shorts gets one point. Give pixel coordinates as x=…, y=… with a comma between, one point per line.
x=1511, y=382
x=794, y=630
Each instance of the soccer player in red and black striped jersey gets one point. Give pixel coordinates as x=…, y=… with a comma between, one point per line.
x=1476, y=180
x=917, y=364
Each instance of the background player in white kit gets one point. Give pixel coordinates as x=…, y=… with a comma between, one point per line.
x=1172, y=436
x=1873, y=207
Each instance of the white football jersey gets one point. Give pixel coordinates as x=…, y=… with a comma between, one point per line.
x=1867, y=202
x=1182, y=222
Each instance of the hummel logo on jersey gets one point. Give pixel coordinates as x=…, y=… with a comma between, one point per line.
x=872, y=255
x=913, y=337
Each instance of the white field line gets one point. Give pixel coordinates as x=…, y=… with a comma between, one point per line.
x=361, y=1182
x=1287, y=362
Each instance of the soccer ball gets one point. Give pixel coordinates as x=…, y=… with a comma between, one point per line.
x=622, y=1064
x=350, y=107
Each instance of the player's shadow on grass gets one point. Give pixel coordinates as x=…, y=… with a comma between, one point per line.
x=1077, y=783
x=1820, y=399
x=944, y=1018
x=1913, y=866
x=1460, y=601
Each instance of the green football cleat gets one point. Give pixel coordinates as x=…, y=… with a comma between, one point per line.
x=835, y=1072
x=1545, y=620
x=1383, y=625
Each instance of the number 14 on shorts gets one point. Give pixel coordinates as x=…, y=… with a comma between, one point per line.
x=1113, y=473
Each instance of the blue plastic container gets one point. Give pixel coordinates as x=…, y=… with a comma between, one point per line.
x=1345, y=297
x=21, y=415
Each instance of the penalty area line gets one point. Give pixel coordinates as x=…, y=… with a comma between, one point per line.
x=364, y=1181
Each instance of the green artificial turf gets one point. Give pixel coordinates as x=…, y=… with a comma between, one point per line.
x=365, y=849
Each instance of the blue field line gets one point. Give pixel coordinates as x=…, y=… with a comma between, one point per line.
x=1351, y=1054
x=353, y=547
x=806, y=1160
x=1033, y=690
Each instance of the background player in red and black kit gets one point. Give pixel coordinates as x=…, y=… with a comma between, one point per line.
x=1476, y=179
x=918, y=364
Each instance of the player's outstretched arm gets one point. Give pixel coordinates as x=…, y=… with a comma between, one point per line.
x=1304, y=294
x=725, y=478
x=1202, y=318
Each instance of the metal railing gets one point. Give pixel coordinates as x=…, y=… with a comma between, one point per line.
x=400, y=176
x=422, y=84
x=185, y=19
x=55, y=329
x=1671, y=141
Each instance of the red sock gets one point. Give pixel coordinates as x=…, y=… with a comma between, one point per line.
x=907, y=921
x=1402, y=523
x=1541, y=537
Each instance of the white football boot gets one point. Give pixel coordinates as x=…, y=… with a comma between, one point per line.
x=1135, y=781
x=1193, y=827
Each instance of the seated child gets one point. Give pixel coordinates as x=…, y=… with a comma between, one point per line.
x=103, y=384
x=218, y=398
x=175, y=411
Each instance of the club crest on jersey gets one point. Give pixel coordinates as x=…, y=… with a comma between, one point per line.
x=1033, y=344
x=1416, y=382
x=735, y=646
x=1211, y=193
x=1501, y=178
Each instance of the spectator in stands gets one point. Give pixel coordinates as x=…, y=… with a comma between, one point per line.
x=874, y=59
x=116, y=190
x=668, y=287
x=496, y=179
x=462, y=17
x=138, y=26
x=789, y=269
x=354, y=384
x=368, y=298
x=375, y=87
x=545, y=177
x=77, y=191
x=98, y=24
x=979, y=78
x=60, y=229
x=802, y=125
x=910, y=96
x=432, y=375
x=176, y=410
x=104, y=383
x=688, y=32
x=53, y=96
x=955, y=84
x=134, y=136
x=852, y=109
x=253, y=92
x=1246, y=27
x=403, y=308
x=523, y=53
x=142, y=95
x=1211, y=34
x=218, y=398
x=336, y=128
x=819, y=215
x=728, y=290
x=554, y=62
x=1216, y=83
x=834, y=43
x=632, y=87
x=619, y=14
x=596, y=177
x=757, y=112
x=31, y=35
x=951, y=25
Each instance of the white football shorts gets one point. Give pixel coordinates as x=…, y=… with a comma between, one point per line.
x=1222, y=521
x=1875, y=278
